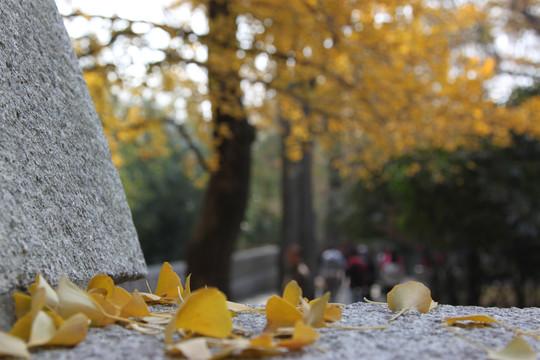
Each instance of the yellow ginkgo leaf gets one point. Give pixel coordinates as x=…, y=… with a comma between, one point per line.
x=517, y=349
x=13, y=346
x=236, y=307
x=42, y=330
x=187, y=289
x=168, y=285
x=205, y=312
x=101, y=284
x=265, y=340
x=280, y=313
x=23, y=304
x=478, y=318
x=317, y=308
x=333, y=313
x=120, y=297
x=192, y=349
x=410, y=296
x=303, y=335
x=51, y=298
x=292, y=293
x=135, y=307
x=73, y=300
x=23, y=326
x=72, y=331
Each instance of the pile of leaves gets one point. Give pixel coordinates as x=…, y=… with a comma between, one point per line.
x=200, y=326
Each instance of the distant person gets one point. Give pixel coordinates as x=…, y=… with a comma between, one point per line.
x=361, y=273
x=391, y=269
x=296, y=269
x=332, y=271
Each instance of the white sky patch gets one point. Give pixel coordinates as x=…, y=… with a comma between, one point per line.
x=128, y=9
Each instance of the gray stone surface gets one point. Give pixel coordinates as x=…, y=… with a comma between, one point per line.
x=413, y=336
x=62, y=206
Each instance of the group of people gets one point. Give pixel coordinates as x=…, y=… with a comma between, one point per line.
x=354, y=266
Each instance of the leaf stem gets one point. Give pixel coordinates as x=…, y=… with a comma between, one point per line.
x=397, y=315
x=375, y=302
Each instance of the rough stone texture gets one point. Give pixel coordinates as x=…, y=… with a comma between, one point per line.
x=62, y=206
x=412, y=336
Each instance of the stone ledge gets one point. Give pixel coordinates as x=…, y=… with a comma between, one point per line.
x=412, y=336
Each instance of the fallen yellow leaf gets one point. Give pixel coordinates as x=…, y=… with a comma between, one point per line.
x=101, y=284
x=135, y=307
x=317, y=308
x=280, y=313
x=303, y=335
x=169, y=285
x=51, y=298
x=517, y=349
x=72, y=332
x=73, y=300
x=479, y=318
x=205, y=312
x=410, y=296
x=192, y=349
x=292, y=293
x=13, y=346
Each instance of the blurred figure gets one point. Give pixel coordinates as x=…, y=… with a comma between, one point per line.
x=332, y=270
x=391, y=269
x=296, y=268
x=361, y=272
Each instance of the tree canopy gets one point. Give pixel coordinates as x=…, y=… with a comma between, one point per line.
x=373, y=79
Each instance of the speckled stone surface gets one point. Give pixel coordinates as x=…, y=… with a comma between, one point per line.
x=412, y=336
x=62, y=207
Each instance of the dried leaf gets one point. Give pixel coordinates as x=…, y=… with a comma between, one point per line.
x=317, y=308
x=410, y=296
x=303, y=335
x=74, y=300
x=13, y=346
x=42, y=330
x=236, y=307
x=51, y=298
x=72, y=332
x=517, y=349
x=471, y=319
x=205, y=312
x=260, y=346
x=23, y=326
x=193, y=349
x=45, y=332
x=281, y=313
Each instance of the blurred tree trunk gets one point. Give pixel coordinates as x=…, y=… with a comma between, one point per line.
x=334, y=204
x=224, y=205
x=298, y=223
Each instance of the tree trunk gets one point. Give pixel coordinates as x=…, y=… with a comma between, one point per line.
x=224, y=205
x=333, y=236
x=298, y=223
